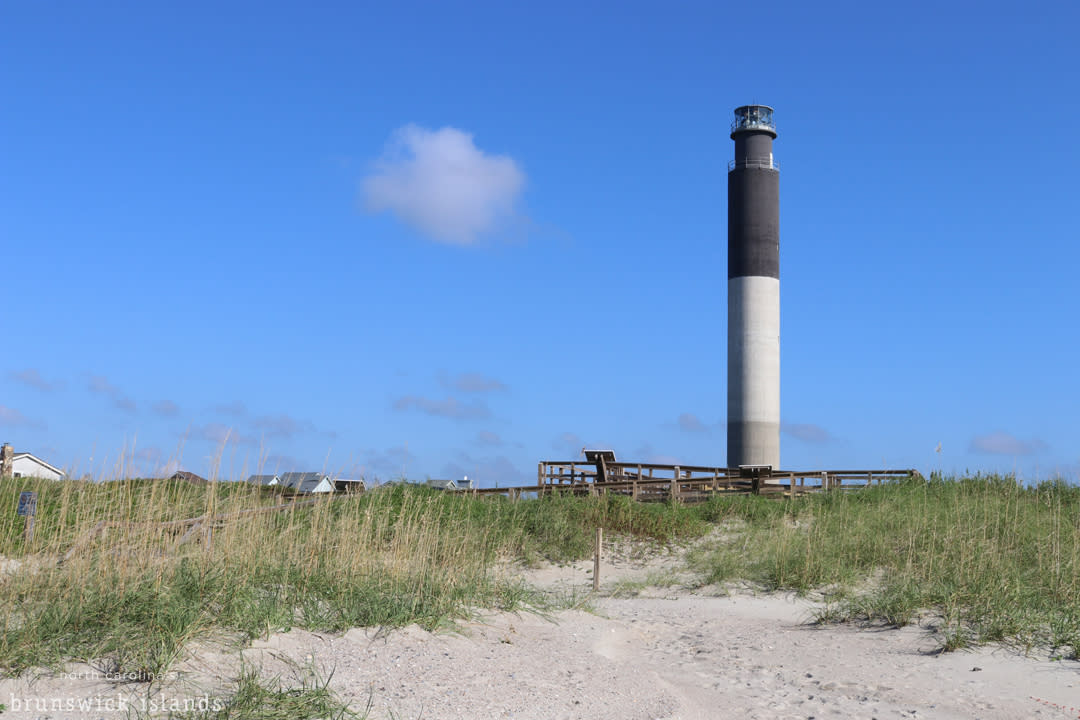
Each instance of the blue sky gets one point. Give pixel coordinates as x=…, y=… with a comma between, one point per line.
x=459, y=238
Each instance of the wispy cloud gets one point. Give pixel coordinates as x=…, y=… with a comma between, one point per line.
x=573, y=445
x=166, y=408
x=279, y=463
x=440, y=183
x=220, y=435
x=392, y=462
x=11, y=417
x=486, y=471
x=568, y=442
x=1002, y=443
x=32, y=378
x=449, y=407
x=472, y=382
x=151, y=462
x=148, y=454
x=807, y=432
x=488, y=439
x=100, y=384
x=233, y=409
x=689, y=422
x=282, y=425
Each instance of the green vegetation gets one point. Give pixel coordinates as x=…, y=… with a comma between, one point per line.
x=138, y=590
x=257, y=698
x=989, y=559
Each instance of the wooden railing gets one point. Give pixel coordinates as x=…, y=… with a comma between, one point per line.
x=653, y=481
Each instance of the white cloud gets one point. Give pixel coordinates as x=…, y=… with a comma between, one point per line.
x=439, y=182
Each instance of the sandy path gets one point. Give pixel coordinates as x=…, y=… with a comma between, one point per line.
x=690, y=658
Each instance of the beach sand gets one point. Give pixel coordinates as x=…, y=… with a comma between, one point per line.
x=667, y=652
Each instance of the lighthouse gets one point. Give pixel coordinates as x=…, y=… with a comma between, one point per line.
x=753, y=400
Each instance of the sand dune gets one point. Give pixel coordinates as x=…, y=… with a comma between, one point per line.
x=669, y=654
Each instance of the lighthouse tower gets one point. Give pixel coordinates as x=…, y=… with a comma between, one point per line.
x=753, y=407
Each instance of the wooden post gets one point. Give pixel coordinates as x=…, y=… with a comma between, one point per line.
x=596, y=559
x=540, y=474
x=675, y=483
x=27, y=508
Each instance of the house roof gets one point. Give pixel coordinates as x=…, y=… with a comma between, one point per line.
x=442, y=484
x=188, y=476
x=302, y=482
x=39, y=461
x=264, y=479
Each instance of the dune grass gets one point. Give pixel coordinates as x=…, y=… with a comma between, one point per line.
x=985, y=558
x=991, y=559
x=134, y=593
x=254, y=697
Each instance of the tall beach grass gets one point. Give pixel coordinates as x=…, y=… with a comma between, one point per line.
x=984, y=558
x=136, y=589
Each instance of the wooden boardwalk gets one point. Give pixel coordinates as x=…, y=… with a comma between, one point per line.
x=687, y=483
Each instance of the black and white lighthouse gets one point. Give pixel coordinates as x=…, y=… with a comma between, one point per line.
x=753, y=401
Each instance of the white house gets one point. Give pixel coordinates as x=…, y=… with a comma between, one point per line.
x=307, y=482
x=27, y=465
x=463, y=484
x=264, y=480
